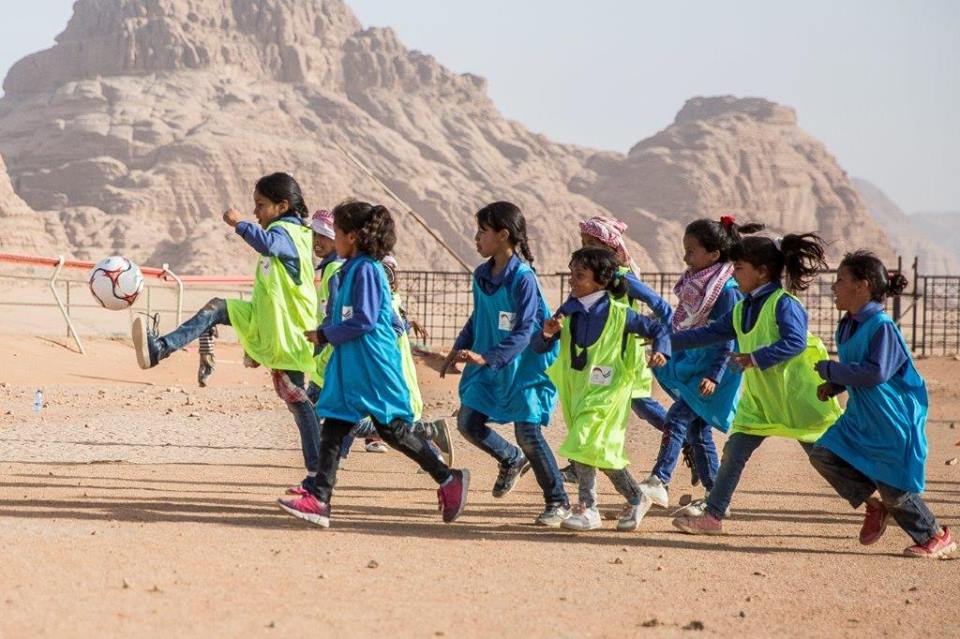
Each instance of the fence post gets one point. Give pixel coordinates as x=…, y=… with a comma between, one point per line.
x=896, y=298
x=66, y=315
x=167, y=271
x=916, y=298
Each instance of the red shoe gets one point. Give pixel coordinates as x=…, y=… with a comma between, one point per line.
x=452, y=496
x=299, y=491
x=938, y=546
x=874, y=523
x=705, y=524
x=308, y=508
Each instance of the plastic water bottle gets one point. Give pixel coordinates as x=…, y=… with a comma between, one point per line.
x=38, y=401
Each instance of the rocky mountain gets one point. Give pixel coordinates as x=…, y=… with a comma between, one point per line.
x=906, y=236
x=941, y=228
x=148, y=117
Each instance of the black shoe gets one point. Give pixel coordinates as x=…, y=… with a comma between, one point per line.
x=146, y=343
x=569, y=474
x=508, y=476
x=688, y=461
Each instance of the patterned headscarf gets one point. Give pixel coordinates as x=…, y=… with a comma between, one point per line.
x=322, y=223
x=609, y=230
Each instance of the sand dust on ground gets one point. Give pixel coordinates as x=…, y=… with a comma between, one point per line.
x=135, y=502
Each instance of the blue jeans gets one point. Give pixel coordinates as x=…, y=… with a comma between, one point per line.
x=682, y=424
x=736, y=452
x=650, y=410
x=213, y=312
x=908, y=509
x=472, y=425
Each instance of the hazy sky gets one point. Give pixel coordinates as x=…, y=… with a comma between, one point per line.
x=878, y=81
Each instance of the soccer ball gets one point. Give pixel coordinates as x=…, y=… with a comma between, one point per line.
x=116, y=282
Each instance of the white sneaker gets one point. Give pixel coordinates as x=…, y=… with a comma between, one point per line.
x=655, y=489
x=632, y=515
x=583, y=518
x=376, y=446
x=696, y=508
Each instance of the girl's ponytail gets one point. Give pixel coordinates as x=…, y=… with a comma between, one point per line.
x=803, y=259
x=374, y=226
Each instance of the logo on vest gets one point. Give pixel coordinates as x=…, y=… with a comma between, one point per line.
x=601, y=375
x=506, y=321
x=346, y=313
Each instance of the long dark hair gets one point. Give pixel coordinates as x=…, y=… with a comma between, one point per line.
x=604, y=265
x=278, y=187
x=800, y=257
x=506, y=215
x=720, y=235
x=864, y=265
x=373, y=224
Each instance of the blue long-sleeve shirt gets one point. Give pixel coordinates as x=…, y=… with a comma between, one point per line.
x=587, y=325
x=791, y=320
x=333, y=285
x=885, y=356
x=725, y=302
x=526, y=301
x=274, y=243
x=637, y=290
x=364, y=305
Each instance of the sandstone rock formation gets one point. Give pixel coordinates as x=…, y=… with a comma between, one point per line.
x=148, y=117
x=906, y=235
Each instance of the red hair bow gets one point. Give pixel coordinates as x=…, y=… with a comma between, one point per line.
x=727, y=221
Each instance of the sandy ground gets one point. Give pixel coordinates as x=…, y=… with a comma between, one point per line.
x=137, y=502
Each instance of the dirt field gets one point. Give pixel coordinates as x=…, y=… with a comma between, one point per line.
x=137, y=502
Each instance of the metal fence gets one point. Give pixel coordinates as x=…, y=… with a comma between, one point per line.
x=928, y=312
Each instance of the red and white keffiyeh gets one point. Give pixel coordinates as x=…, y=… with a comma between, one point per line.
x=698, y=292
x=610, y=230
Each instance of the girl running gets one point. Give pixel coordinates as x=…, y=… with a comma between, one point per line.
x=364, y=376
x=776, y=353
x=875, y=453
x=703, y=388
x=595, y=376
x=271, y=325
x=504, y=379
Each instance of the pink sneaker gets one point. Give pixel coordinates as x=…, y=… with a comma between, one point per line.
x=874, y=523
x=705, y=524
x=308, y=508
x=299, y=491
x=938, y=547
x=452, y=496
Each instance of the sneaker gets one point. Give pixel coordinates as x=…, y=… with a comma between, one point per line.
x=688, y=462
x=553, y=515
x=938, y=547
x=308, y=508
x=298, y=490
x=376, y=446
x=583, y=518
x=444, y=441
x=631, y=516
x=696, y=508
x=207, y=364
x=874, y=523
x=705, y=524
x=569, y=474
x=656, y=490
x=146, y=343
x=508, y=476
x=452, y=496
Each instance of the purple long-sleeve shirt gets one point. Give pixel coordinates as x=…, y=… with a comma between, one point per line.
x=363, y=307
